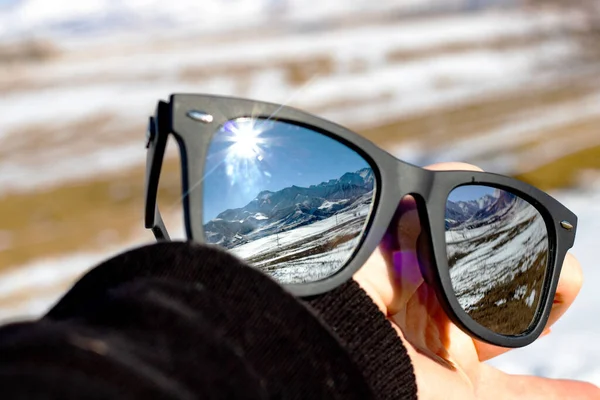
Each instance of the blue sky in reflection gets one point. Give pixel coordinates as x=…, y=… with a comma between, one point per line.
x=470, y=192
x=247, y=156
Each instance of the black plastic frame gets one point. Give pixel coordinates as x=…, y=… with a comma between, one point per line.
x=395, y=179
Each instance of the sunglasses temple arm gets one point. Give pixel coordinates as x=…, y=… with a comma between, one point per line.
x=155, y=144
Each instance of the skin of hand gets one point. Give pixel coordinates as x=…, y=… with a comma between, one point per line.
x=448, y=363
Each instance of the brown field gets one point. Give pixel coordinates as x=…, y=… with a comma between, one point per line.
x=471, y=119
x=88, y=215
x=27, y=51
x=40, y=138
x=565, y=171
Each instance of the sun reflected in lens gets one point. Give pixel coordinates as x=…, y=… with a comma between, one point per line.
x=244, y=150
x=245, y=138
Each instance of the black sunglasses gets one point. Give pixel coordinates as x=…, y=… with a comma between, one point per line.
x=308, y=201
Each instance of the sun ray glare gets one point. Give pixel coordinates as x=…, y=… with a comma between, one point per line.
x=248, y=147
x=221, y=157
x=292, y=97
x=195, y=185
x=242, y=153
x=245, y=137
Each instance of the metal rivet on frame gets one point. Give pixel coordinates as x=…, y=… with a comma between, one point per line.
x=200, y=116
x=567, y=225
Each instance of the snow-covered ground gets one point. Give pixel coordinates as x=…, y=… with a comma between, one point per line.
x=490, y=250
x=297, y=255
x=530, y=126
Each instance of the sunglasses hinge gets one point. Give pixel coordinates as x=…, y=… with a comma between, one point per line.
x=150, y=132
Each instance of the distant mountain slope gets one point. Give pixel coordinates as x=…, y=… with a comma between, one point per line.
x=288, y=208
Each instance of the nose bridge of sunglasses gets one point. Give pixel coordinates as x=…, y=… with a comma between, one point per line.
x=407, y=235
x=412, y=221
x=410, y=224
x=413, y=180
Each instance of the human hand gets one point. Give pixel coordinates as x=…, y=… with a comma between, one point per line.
x=448, y=363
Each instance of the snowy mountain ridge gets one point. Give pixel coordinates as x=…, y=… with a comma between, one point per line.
x=478, y=211
x=289, y=208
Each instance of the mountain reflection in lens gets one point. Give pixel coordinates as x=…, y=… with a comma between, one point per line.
x=497, y=246
x=289, y=200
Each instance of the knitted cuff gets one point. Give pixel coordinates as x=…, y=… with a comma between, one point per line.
x=370, y=339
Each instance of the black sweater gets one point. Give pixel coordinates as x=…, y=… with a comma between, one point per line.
x=184, y=321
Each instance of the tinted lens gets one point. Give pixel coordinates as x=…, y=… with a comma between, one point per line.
x=291, y=201
x=497, y=246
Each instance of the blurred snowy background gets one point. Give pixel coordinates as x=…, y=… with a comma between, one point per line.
x=510, y=85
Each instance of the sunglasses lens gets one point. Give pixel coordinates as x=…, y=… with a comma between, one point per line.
x=497, y=246
x=289, y=200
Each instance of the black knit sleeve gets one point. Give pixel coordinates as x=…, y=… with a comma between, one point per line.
x=130, y=347
x=179, y=321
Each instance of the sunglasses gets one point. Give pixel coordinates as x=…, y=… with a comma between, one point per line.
x=307, y=202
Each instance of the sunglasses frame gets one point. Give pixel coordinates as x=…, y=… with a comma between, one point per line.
x=395, y=179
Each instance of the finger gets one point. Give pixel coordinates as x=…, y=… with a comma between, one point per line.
x=569, y=285
x=399, y=248
x=391, y=276
x=453, y=166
